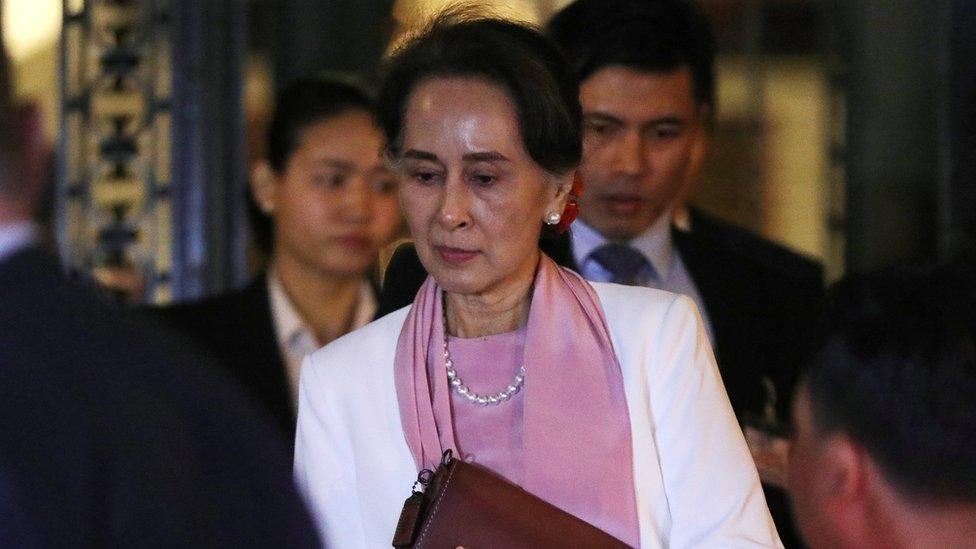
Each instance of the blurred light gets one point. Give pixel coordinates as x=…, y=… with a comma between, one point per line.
x=30, y=25
x=415, y=12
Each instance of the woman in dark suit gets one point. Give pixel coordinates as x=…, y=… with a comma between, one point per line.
x=332, y=204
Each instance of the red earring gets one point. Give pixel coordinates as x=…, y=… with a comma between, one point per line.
x=571, y=212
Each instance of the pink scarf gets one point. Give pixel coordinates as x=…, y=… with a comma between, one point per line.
x=577, y=453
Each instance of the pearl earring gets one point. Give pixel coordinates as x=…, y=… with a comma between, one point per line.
x=553, y=218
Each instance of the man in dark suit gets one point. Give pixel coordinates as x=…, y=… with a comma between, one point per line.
x=647, y=89
x=112, y=435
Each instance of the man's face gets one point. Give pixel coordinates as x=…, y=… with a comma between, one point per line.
x=644, y=142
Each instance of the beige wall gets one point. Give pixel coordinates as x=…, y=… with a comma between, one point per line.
x=794, y=162
x=767, y=165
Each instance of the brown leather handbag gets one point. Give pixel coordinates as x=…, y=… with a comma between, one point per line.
x=466, y=505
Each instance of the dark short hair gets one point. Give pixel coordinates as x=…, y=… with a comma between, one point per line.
x=648, y=35
x=897, y=374
x=518, y=58
x=305, y=102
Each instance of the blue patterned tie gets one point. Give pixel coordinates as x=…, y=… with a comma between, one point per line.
x=625, y=264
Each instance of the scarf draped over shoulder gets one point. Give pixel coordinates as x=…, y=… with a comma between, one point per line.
x=577, y=439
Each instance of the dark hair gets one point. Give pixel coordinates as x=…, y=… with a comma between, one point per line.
x=897, y=374
x=305, y=102
x=460, y=42
x=648, y=35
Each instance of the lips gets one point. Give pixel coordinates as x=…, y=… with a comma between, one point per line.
x=455, y=256
x=622, y=204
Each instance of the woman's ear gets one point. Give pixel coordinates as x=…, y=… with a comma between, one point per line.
x=563, y=185
x=699, y=152
x=263, y=186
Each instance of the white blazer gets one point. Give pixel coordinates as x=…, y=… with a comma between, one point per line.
x=695, y=482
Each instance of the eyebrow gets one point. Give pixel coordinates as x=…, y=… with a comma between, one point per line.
x=604, y=117
x=669, y=120
x=487, y=156
x=335, y=163
x=420, y=155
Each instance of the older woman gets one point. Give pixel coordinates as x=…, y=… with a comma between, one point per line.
x=603, y=400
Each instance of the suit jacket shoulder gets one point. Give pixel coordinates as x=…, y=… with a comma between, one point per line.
x=125, y=426
x=226, y=312
x=762, y=300
x=237, y=330
x=750, y=246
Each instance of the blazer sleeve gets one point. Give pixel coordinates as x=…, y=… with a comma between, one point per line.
x=323, y=461
x=713, y=491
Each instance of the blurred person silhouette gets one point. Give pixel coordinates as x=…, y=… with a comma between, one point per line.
x=332, y=204
x=884, y=451
x=111, y=434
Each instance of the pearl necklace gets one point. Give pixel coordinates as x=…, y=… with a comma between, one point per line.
x=473, y=397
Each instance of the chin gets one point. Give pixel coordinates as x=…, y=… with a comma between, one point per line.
x=455, y=282
x=618, y=232
x=346, y=269
x=453, y=285
x=617, y=228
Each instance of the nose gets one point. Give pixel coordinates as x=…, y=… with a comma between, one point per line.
x=454, y=212
x=357, y=200
x=629, y=154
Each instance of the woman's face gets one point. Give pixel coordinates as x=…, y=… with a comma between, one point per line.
x=334, y=204
x=473, y=197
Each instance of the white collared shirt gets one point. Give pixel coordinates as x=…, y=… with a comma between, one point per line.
x=657, y=245
x=14, y=236
x=295, y=339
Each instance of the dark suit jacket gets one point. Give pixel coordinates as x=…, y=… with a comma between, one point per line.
x=115, y=435
x=236, y=329
x=763, y=301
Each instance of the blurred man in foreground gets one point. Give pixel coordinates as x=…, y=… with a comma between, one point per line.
x=884, y=453
x=110, y=436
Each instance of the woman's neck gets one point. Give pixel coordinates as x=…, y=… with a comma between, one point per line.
x=326, y=304
x=497, y=311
